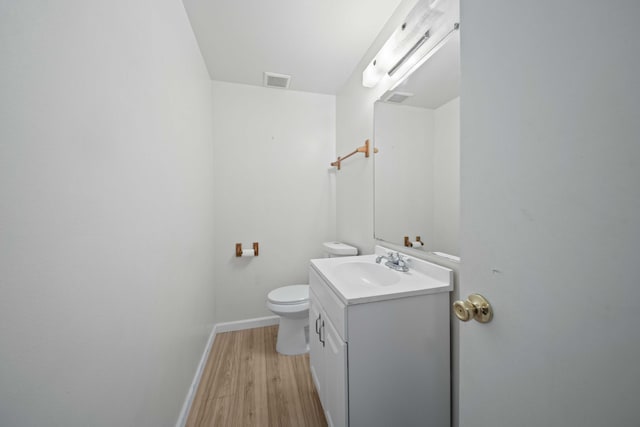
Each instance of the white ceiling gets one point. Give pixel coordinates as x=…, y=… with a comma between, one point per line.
x=317, y=42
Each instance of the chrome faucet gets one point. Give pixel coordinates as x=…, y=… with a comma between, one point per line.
x=395, y=261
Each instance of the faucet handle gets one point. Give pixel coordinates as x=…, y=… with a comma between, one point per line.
x=398, y=259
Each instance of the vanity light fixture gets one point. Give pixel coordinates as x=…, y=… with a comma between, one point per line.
x=423, y=26
x=413, y=49
x=425, y=58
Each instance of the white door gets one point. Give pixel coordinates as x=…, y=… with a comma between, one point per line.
x=316, y=350
x=336, y=378
x=550, y=194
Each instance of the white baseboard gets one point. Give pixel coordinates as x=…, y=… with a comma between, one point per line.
x=184, y=413
x=240, y=325
x=219, y=328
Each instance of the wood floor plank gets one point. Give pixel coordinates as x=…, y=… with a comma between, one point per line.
x=247, y=383
x=260, y=372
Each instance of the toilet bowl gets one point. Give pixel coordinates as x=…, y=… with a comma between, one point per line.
x=291, y=303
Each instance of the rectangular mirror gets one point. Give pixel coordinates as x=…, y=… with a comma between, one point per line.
x=417, y=168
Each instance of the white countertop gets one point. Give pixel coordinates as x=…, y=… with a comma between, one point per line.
x=422, y=278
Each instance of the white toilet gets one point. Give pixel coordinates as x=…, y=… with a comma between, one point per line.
x=291, y=303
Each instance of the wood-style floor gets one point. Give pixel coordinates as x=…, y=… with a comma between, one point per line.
x=247, y=383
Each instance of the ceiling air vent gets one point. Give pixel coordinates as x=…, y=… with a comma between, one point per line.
x=396, y=97
x=276, y=80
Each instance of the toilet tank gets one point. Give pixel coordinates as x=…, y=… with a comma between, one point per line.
x=336, y=249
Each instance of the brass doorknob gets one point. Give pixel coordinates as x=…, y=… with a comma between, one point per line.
x=475, y=306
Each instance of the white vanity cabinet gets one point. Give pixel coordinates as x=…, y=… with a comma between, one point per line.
x=328, y=354
x=379, y=362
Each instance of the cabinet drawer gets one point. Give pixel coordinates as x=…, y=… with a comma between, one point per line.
x=333, y=307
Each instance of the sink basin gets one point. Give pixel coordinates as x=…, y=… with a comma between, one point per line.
x=366, y=273
x=359, y=279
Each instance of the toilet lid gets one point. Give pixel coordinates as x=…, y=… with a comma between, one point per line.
x=293, y=294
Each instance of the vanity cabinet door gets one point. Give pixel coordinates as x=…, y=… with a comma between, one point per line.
x=336, y=384
x=316, y=351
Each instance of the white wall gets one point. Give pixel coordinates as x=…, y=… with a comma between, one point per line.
x=272, y=185
x=550, y=206
x=105, y=212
